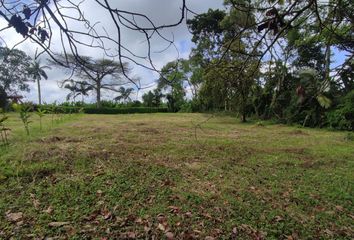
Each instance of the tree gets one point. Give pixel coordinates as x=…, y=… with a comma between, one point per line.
x=148, y=99
x=43, y=21
x=76, y=89
x=14, y=75
x=37, y=72
x=172, y=81
x=152, y=99
x=124, y=94
x=97, y=74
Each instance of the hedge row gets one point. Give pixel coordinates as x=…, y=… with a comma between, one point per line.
x=91, y=110
x=124, y=110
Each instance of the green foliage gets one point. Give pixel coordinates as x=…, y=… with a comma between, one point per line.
x=342, y=118
x=124, y=94
x=25, y=115
x=41, y=113
x=152, y=99
x=14, y=69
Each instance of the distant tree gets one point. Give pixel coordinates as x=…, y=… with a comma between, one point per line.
x=37, y=72
x=172, y=81
x=76, y=89
x=99, y=74
x=152, y=98
x=148, y=99
x=14, y=75
x=124, y=94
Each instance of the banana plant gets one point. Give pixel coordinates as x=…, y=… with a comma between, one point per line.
x=40, y=113
x=314, y=86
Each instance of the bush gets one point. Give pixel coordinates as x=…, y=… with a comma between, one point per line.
x=343, y=117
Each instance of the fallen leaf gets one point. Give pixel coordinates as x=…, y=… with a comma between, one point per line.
x=234, y=233
x=339, y=208
x=129, y=235
x=278, y=219
x=58, y=224
x=161, y=227
x=49, y=210
x=106, y=214
x=169, y=235
x=35, y=201
x=188, y=214
x=209, y=238
x=14, y=217
x=174, y=209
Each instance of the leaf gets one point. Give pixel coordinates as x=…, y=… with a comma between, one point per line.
x=161, y=227
x=169, y=235
x=209, y=238
x=174, y=209
x=324, y=101
x=14, y=217
x=49, y=210
x=35, y=201
x=58, y=224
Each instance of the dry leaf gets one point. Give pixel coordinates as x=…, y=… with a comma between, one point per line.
x=161, y=227
x=14, y=217
x=209, y=238
x=169, y=235
x=340, y=208
x=174, y=209
x=35, y=201
x=188, y=214
x=49, y=210
x=58, y=224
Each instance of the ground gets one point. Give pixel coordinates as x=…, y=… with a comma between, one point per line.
x=175, y=176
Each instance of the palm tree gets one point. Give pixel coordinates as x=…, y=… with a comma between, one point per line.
x=124, y=94
x=77, y=88
x=37, y=72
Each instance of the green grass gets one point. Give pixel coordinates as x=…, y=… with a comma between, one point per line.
x=145, y=175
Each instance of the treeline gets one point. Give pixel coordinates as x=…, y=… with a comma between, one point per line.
x=243, y=66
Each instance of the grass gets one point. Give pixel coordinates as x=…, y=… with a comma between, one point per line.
x=158, y=175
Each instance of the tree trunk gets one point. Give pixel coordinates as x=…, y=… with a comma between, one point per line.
x=39, y=92
x=328, y=62
x=243, y=117
x=98, y=92
x=98, y=98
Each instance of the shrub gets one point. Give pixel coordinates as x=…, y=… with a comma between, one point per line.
x=343, y=117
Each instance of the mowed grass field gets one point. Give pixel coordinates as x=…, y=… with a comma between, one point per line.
x=175, y=176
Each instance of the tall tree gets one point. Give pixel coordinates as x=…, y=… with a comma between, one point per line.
x=98, y=74
x=76, y=89
x=37, y=72
x=124, y=94
x=173, y=81
x=14, y=76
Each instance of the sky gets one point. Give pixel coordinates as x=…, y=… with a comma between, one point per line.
x=159, y=11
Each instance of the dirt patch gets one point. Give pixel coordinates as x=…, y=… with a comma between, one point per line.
x=299, y=151
x=56, y=139
x=297, y=132
x=150, y=131
x=49, y=153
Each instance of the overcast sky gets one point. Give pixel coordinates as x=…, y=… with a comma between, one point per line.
x=159, y=11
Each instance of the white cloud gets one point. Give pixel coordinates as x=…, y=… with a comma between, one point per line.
x=159, y=11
